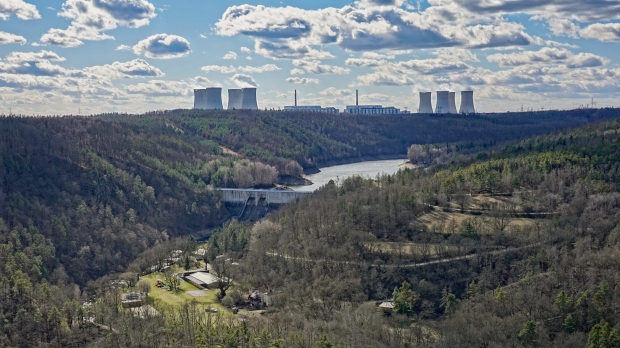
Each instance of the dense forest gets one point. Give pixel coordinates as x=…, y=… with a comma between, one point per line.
x=475, y=234
x=317, y=139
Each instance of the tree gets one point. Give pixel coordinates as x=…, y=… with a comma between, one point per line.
x=323, y=342
x=404, y=299
x=144, y=286
x=528, y=336
x=223, y=269
x=602, y=336
x=569, y=326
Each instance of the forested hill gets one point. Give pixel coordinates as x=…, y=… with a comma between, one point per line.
x=313, y=139
x=520, y=247
x=90, y=195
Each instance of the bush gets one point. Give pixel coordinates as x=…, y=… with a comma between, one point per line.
x=227, y=301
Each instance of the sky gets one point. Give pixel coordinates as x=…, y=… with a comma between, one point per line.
x=95, y=56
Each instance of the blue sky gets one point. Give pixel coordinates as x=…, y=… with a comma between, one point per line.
x=92, y=56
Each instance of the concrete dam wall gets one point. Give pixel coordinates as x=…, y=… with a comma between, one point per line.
x=254, y=204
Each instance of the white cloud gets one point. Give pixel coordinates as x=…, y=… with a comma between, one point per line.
x=259, y=69
x=246, y=69
x=243, y=80
x=134, y=68
x=383, y=78
x=163, y=46
x=609, y=32
x=203, y=36
x=290, y=33
x=8, y=38
x=375, y=55
x=563, y=26
x=124, y=48
x=302, y=80
x=219, y=68
x=547, y=55
x=334, y=92
x=364, y=62
x=315, y=67
x=21, y=9
x=158, y=88
x=89, y=18
x=297, y=71
x=246, y=50
x=230, y=55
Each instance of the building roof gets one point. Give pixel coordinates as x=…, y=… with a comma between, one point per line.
x=203, y=277
x=387, y=305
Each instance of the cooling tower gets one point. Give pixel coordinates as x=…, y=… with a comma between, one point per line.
x=443, y=102
x=235, y=98
x=249, y=99
x=467, y=102
x=452, y=100
x=426, y=106
x=200, y=99
x=208, y=98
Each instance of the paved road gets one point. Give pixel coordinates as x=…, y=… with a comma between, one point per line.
x=409, y=265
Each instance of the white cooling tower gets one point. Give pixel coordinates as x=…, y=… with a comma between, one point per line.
x=467, y=103
x=249, y=99
x=208, y=98
x=426, y=106
x=443, y=102
x=452, y=100
x=200, y=99
x=235, y=98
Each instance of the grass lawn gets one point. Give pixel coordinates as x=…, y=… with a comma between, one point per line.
x=175, y=298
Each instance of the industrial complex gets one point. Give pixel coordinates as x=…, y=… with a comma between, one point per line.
x=245, y=99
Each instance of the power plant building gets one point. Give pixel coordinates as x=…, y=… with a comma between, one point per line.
x=467, y=103
x=248, y=100
x=443, y=102
x=312, y=108
x=208, y=98
x=371, y=110
x=426, y=106
x=235, y=98
x=452, y=100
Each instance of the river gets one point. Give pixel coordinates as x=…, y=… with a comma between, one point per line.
x=368, y=169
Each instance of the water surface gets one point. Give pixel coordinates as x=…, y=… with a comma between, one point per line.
x=368, y=169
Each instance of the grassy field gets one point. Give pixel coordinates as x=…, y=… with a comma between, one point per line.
x=175, y=298
x=451, y=222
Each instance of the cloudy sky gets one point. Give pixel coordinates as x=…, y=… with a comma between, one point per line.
x=91, y=56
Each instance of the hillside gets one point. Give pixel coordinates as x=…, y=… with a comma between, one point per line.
x=315, y=139
x=81, y=198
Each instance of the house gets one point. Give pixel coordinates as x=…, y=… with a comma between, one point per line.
x=201, y=280
x=387, y=307
x=132, y=300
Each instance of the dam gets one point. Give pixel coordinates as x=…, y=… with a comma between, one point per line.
x=254, y=204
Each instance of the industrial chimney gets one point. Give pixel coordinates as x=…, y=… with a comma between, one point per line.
x=357, y=100
x=426, y=106
x=235, y=96
x=467, y=103
x=295, y=97
x=249, y=99
x=208, y=98
x=452, y=100
x=443, y=102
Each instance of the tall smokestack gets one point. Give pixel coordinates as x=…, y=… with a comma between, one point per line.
x=467, y=102
x=357, y=98
x=295, y=97
x=426, y=106
x=443, y=102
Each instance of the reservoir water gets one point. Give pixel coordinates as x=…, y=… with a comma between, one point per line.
x=368, y=169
